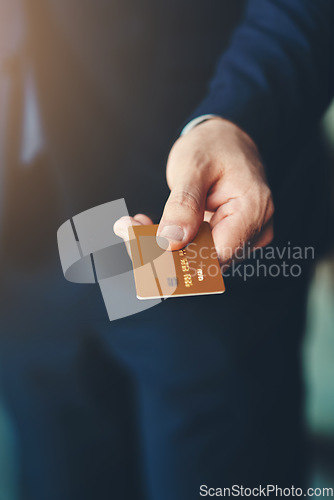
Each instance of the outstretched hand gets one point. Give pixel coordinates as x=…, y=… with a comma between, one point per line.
x=215, y=174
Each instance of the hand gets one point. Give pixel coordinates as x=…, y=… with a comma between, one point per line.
x=215, y=174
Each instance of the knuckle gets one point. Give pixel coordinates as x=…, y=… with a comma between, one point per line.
x=186, y=199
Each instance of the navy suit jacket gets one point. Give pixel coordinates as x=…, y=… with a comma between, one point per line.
x=276, y=79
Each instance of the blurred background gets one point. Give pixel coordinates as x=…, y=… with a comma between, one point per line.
x=318, y=352
x=37, y=183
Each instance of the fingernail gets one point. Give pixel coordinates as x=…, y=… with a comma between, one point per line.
x=174, y=233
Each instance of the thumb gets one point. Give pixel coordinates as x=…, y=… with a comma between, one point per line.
x=183, y=214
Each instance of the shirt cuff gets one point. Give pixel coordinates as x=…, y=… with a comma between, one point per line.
x=196, y=121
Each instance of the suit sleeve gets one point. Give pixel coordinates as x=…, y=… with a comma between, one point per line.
x=276, y=77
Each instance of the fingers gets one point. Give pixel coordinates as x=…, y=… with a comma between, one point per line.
x=121, y=226
x=183, y=214
x=228, y=237
x=143, y=219
x=232, y=229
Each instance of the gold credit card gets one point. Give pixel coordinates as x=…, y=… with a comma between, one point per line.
x=158, y=273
